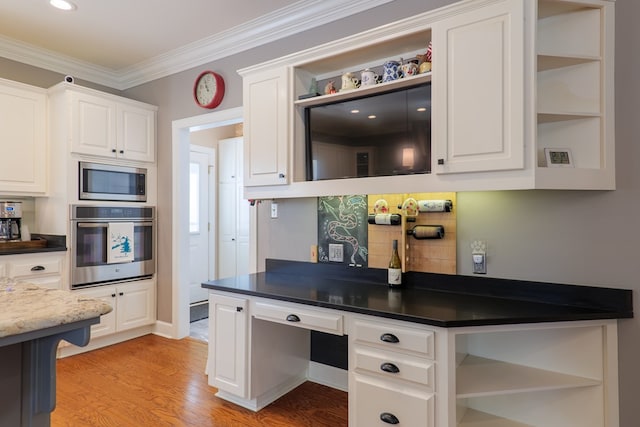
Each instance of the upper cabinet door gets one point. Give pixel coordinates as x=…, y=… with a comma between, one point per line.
x=478, y=90
x=94, y=125
x=265, y=131
x=137, y=133
x=107, y=128
x=23, y=140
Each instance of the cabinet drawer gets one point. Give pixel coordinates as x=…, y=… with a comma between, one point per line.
x=301, y=317
x=395, y=365
x=395, y=337
x=34, y=268
x=375, y=400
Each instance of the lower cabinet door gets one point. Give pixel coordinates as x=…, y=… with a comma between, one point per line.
x=385, y=403
x=227, y=344
x=136, y=304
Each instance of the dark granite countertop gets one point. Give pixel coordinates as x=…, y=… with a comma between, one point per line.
x=55, y=243
x=433, y=299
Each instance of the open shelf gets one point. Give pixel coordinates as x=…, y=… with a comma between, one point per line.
x=551, y=62
x=473, y=418
x=550, y=117
x=478, y=376
x=547, y=8
x=365, y=91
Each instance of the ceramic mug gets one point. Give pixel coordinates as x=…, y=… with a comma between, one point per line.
x=349, y=82
x=369, y=78
x=392, y=71
x=409, y=69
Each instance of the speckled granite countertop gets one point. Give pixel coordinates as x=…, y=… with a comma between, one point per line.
x=25, y=307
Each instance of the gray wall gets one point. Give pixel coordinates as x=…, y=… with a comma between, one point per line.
x=559, y=236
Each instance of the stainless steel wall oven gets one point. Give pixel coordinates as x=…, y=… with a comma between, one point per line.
x=91, y=264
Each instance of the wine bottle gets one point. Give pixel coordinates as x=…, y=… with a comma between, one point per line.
x=384, y=219
x=394, y=278
x=427, y=232
x=434, y=205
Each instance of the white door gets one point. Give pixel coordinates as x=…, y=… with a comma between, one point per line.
x=233, y=214
x=201, y=199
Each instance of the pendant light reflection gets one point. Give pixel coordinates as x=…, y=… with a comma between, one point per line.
x=408, y=157
x=62, y=5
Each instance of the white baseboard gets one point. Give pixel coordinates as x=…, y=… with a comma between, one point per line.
x=264, y=399
x=328, y=375
x=65, y=349
x=164, y=329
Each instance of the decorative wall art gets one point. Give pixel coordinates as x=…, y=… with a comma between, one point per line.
x=342, y=230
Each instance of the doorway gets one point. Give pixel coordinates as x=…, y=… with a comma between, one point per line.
x=181, y=130
x=202, y=214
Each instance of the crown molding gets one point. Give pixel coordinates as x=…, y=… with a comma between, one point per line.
x=285, y=22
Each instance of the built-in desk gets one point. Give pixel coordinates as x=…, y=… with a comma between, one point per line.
x=443, y=351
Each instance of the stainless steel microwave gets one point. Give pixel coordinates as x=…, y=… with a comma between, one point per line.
x=98, y=181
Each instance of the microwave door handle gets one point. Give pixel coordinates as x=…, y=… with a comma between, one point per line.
x=105, y=224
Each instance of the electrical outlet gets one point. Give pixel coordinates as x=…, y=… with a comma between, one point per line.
x=313, y=253
x=479, y=256
x=335, y=252
x=479, y=263
x=274, y=210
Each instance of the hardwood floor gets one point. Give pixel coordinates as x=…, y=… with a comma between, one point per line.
x=154, y=381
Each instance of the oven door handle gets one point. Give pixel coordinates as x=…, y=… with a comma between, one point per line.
x=106, y=224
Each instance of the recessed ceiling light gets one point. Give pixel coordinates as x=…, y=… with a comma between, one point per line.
x=371, y=116
x=355, y=111
x=62, y=4
x=421, y=109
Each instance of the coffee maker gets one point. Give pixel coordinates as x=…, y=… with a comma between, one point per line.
x=10, y=218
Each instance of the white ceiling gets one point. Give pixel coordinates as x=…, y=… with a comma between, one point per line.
x=123, y=43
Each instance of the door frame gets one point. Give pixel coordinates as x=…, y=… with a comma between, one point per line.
x=212, y=197
x=180, y=217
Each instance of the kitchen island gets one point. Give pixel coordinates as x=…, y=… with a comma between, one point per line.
x=33, y=320
x=494, y=351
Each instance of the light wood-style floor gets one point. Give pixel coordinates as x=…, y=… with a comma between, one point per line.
x=154, y=381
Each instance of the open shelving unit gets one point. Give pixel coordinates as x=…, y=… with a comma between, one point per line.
x=543, y=376
x=574, y=109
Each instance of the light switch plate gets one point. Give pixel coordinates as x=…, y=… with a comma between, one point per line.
x=335, y=252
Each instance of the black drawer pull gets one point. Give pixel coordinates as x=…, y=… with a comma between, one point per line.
x=37, y=268
x=389, y=418
x=113, y=295
x=389, y=338
x=293, y=318
x=389, y=367
x=239, y=309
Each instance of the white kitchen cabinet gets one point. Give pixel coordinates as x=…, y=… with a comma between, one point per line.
x=391, y=373
x=134, y=305
x=105, y=125
x=522, y=375
x=478, y=88
x=45, y=269
x=23, y=139
x=228, y=323
x=267, y=102
x=510, y=80
x=507, y=374
x=233, y=211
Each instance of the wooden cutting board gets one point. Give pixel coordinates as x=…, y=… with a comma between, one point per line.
x=34, y=243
